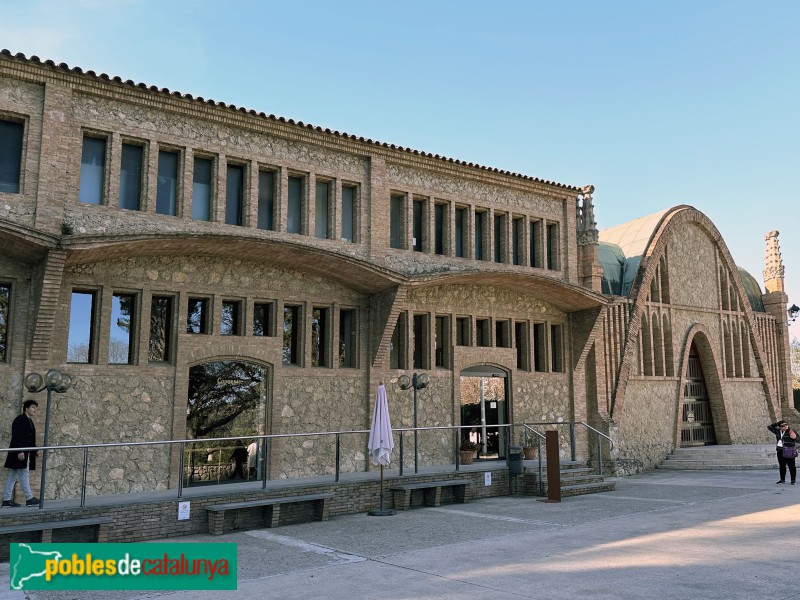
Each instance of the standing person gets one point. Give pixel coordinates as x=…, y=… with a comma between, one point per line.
x=785, y=440
x=252, y=459
x=239, y=458
x=23, y=435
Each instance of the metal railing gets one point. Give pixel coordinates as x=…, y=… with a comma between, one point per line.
x=266, y=440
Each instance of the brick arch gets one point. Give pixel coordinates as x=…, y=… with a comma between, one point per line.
x=656, y=248
x=721, y=410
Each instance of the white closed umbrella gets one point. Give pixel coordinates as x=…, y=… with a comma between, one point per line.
x=381, y=442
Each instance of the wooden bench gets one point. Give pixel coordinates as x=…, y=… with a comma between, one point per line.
x=100, y=525
x=216, y=512
x=431, y=490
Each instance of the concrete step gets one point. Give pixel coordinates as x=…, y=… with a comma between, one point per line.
x=732, y=457
x=588, y=488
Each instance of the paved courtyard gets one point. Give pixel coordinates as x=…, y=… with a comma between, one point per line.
x=660, y=535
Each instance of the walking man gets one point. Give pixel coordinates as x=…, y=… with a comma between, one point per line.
x=23, y=435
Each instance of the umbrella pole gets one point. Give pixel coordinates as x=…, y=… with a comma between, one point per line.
x=382, y=512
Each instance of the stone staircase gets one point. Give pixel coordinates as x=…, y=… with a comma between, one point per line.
x=576, y=479
x=736, y=456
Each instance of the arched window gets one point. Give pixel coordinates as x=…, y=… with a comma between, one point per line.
x=745, y=351
x=737, y=350
x=669, y=363
x=658, y=348
x=655, y=295
x=728, y=349
x=647, y=349
x=723, y=287
x=662, y=270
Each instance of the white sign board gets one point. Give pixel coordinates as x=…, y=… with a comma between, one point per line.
x=183, y=511
x=487, y=478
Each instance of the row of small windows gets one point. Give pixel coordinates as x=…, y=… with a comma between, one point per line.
x=286, y=201
x=736, y=348
x=446, y=228
x=655, y=347
x=123, y=326
x=728, y=297
x=545, y=353
x=659, y=284
x=331, y=197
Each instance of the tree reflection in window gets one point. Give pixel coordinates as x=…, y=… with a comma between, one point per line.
x=226, y=399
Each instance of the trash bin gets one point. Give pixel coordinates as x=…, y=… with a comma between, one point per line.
x=515, y=460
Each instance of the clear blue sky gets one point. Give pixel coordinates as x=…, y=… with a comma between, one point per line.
x=655, y=103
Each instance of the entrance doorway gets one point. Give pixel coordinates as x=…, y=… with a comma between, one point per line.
x=484, y=405
x=227, y=399
x=697, y=425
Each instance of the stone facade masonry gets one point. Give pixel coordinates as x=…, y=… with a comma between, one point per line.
x=539, y=276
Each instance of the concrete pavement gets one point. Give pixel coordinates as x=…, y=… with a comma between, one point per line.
x=661, y=535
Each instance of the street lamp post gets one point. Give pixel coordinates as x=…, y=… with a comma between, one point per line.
x=53, y=381
x=417, y=382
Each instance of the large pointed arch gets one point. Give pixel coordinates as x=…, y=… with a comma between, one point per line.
x=655, y=249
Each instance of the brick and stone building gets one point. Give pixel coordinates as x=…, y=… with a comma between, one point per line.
x=203, y=270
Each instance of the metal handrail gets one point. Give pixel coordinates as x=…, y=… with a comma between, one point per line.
x=266, y=438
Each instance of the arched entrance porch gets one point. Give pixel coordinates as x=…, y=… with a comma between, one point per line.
x=703, y=417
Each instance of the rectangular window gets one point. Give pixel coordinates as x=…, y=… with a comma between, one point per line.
x=201, y=189
x=294, y=209
x=516, y=241
x=535, y=241
x=483, y=336
x=552, y=247
x=321, y=202
x=557, y=349
x=262, y=318
x=167, y=188
x=197, y=318
x=160, y=345
x=11, y=137
x=442, y=341
x=348, y=213
x=419, y=229
x=130, y=177
x=81, y=340
x=522, y=343
x=499, y=237
x=93, y=164
x=397, y=350
x=234, y=195
x=460, y=224
x=396, y=218
x=502, y=330
x=421, y=340
x=439, y=229
x=480, y=218
x=291, y=335
x=231, y=321
x=319, y=337
x=463, y=331
x=5, y=311
x=266, y=199
x=123, y=322
x=347, y=338
x=539, y=347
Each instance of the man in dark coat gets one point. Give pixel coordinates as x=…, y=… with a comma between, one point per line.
x=23, y=435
